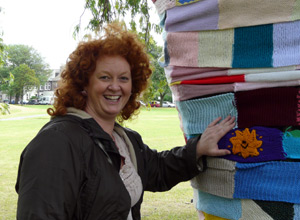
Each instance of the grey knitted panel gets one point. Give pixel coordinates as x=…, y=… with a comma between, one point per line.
x=197, y=114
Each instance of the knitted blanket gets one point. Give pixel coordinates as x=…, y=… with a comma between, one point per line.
x=224, y=14
x=251, y=108
x=256, y=77
x=272, y=45
x=267, y=181
x=178, y=73
x=245, y=209
x=186, y=91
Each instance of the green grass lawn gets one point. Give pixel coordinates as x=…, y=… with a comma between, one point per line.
x=159, y=128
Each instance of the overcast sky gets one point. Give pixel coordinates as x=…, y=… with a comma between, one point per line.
x=46, y=25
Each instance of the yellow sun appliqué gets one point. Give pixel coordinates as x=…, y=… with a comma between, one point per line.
x=245, y=143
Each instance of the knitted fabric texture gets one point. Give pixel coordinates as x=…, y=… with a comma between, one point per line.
x=245, y=209
x=224, y=14
x=278, y=210
x=213, y=217
x=197, y=114
x=256, y=144
x=271, y=45
x=270, y=181
x=260, y=107
x=185, y=92
x=253, y=86
x=218, y=179
x=219, y=206
x=291, y=144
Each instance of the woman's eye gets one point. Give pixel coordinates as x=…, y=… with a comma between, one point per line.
x=104, y=77
x=124, y=78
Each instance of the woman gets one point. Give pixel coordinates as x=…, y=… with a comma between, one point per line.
x=84, y=165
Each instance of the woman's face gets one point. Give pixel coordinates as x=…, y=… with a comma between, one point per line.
x=109, y=87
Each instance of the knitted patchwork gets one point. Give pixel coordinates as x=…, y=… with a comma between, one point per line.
x=272, y=45
x=270, y=181
x=245, y=209
x=185, y=92
x=186, y=18
x=224, y=14
x=180, y=73
x=250, y=210
x=260, y=107
x=254, y=77
x=278, y=210
x=291, y=144
x=218, y=179
x=247, y=38
x=253, y=86
x=286, y=43
x=219, y=206
x=197, y=114
x=256, y=144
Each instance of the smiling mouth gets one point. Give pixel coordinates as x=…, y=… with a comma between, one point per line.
x=112, y=97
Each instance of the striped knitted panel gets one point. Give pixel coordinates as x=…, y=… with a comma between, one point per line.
x=291, y=144
x=247, y=38
x=278, y=210
x=270, y=181
x=260, y=107
x=273, y=45
x=219, y=206
x=256, y=144
x=197, y=114
x=218, y=171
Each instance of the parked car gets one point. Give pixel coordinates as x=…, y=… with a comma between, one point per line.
x=154, y=104
x=32, y=102
x=168, y=104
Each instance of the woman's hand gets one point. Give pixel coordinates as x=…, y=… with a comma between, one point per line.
x=208, y=143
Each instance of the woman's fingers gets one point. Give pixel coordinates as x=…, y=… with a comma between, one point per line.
x=214, y=122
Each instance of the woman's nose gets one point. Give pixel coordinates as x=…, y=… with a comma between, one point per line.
x=114, y=85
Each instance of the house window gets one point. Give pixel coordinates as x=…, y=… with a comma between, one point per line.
x=48, y=86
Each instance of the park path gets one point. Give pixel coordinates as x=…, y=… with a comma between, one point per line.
x=23, y=117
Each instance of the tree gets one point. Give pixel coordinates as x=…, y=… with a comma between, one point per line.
x=159, y=85
x=106, y=11
x=16, y=55
x=25, y=79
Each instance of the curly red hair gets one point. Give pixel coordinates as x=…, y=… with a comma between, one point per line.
x=82, y=63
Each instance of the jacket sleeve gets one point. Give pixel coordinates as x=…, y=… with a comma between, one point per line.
x=165, y=169
x=48, y=178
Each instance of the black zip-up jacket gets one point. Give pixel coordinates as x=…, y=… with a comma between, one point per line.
x=64, y=174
